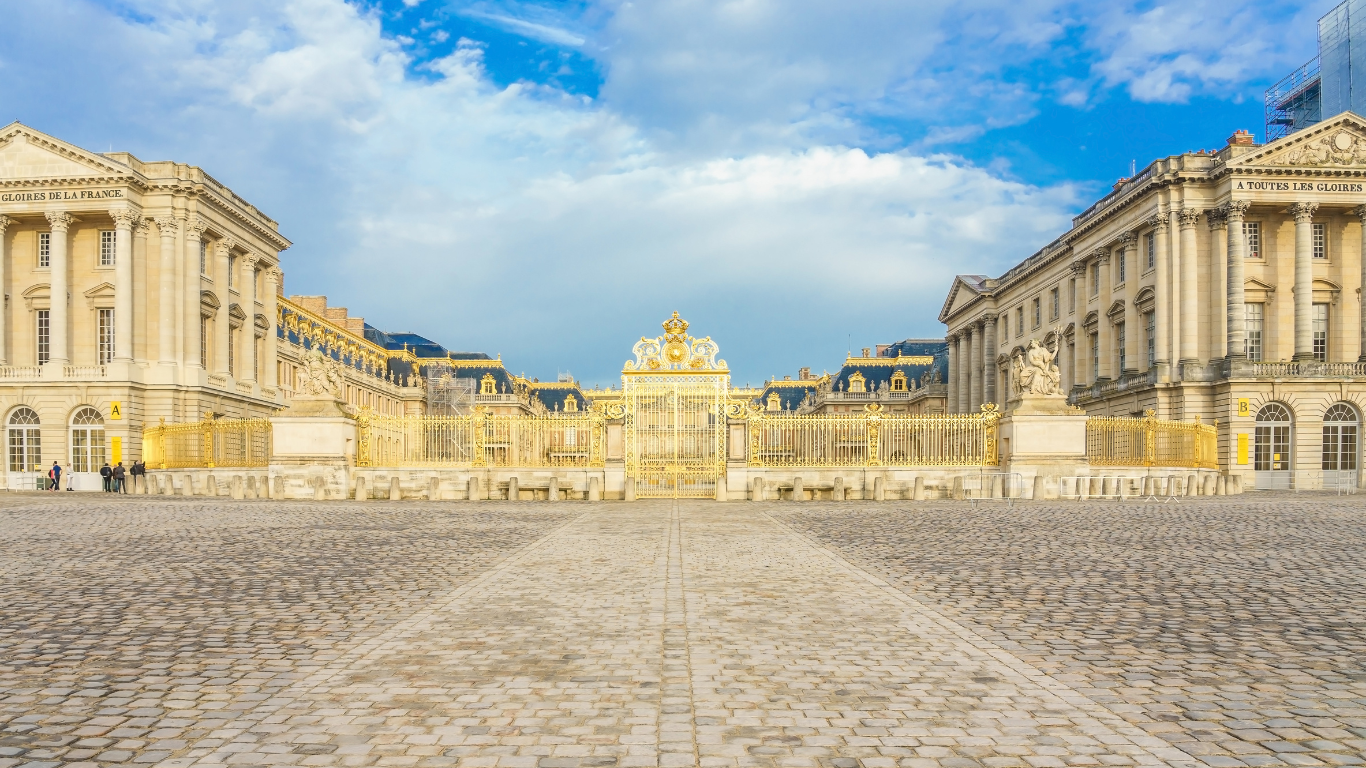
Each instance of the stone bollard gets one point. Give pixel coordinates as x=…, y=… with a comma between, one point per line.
x=188, y=487
x=514, y=489
x=721, y=492
x=797, y=493
x=553, y=492
x=250, y=490
x=1192, y=485
x=758, y=493
x=996, y=489
x=594, y=489
x=1235, y=484
x=1220, y=489
x=629, y=493
x=279, y=492
x=837, y=493
x=395, y=489
x=319, y=489
x=211, y=485
x=879, y=492
x=1040, y=488
x=234, y=488
x=263, y=486
x=361, y=494
x=434, y=489
x=1211, y=485
x=918, y=489
x=472, y=489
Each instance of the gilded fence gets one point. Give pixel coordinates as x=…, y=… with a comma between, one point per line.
x=873, y=439
x=480, y=440
x=1151, y=442
x=209, y=443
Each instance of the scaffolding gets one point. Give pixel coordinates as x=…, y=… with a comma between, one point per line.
x=1295, y=102
x=447, y=393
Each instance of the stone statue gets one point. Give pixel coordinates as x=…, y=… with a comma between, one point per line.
x=1034, y=371
x=319, y=376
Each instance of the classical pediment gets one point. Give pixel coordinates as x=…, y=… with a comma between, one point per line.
x=1339, y=142
x=964, y=290
x=28, y=154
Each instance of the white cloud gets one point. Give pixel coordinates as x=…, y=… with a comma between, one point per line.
x=531, y=29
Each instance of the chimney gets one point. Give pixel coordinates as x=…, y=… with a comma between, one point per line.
x=804, y=374
x=1241, y=139
x=866, y=352
x=881, y=350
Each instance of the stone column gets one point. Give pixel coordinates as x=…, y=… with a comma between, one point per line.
x=1190, y=283
x=1217, y=218
x=5, y=221
x=1237, y=255
x=1161, y=296
x=1133, y=324
x=194, y=236
x=272, y=290
x=222, y=327
x=964, y=351
x=124, y=219
x=989, y=347
x=1304, y=279
x=166, y=314
x=1174, y=278
x=139, y=319
x=247, y=367
x=974, y=357
x=1105, y=333
x=1360, y=212
x=58, y=317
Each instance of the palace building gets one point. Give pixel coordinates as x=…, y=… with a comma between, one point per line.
x=906, y=377
x=1221, y=285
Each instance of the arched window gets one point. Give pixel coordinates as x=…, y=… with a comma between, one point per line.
x=899, y=382
x=1271, y=448
x=1340, y=424
x=87, y=440
x=25, y=441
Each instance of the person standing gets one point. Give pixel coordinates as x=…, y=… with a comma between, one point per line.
x=119, y=477
x=55, y=475
x=138, y=471
x=106, y=477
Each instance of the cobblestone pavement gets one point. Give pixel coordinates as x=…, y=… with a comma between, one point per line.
x=182, y=632
x=1232, y=628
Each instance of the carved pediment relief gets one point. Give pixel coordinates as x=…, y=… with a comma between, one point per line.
x=29, y=154
x=1335, y=143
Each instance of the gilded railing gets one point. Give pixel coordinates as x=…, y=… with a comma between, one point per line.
x=480, y=440
x=873, y=439
x=1151, y=442
x=209, y=443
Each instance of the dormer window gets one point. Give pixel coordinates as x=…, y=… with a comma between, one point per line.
x=898, y=382
x=856, y=382
x=486, y=385
x=571, y=404
x=775, y=403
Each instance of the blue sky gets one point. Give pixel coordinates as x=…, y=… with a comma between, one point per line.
x=550, y=180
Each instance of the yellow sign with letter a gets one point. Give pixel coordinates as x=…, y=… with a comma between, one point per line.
x=115, y=410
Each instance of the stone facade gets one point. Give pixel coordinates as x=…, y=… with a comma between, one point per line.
x=1210, y=286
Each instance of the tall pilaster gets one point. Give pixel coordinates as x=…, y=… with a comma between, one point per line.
x=272, y=290
x=166, y=293
x=965, y=368
x=1190, y=283
x=1304, y=279
x=1162, y=295
x=974, y=367
x=951, y=374
x=1360, y=212
x=124, y=219
x=191, y=272
x=246, y=369
x=222, y=251
x=989, y=347
x=1236, y=316
x=58, y=316
x=1217, y=335
x=5, y=221
x=1104, y=329
x=1128, y=253
x=141, y=229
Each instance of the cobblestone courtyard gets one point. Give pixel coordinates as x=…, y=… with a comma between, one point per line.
x=1225, y=631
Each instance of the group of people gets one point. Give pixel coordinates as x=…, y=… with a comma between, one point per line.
x=114, y=479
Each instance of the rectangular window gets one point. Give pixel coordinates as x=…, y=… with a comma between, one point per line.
x=1253, y=329
x=1095, y=278
x=1072, y=296
x=1019, y=322
x=44, y=336
x=203, y=258
x=203, y=342
x=232, y=272
x=1123, y=262
x=1005, y=326
x=106, y=336
x=1119, y=344
x=107, y=248
x=1320, y=330
x=1320, y=240
x=1037, y=308
x=1252, y=239
x=231, y=363
x=1055, y=304
x=44, y=249
x=1150, y=332
x=1095, y=356
x=1152, y=250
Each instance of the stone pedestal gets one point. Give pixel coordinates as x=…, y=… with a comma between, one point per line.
x=1043, y=436
x=313, y=447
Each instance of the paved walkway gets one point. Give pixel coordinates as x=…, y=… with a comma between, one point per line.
x=653, y=634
